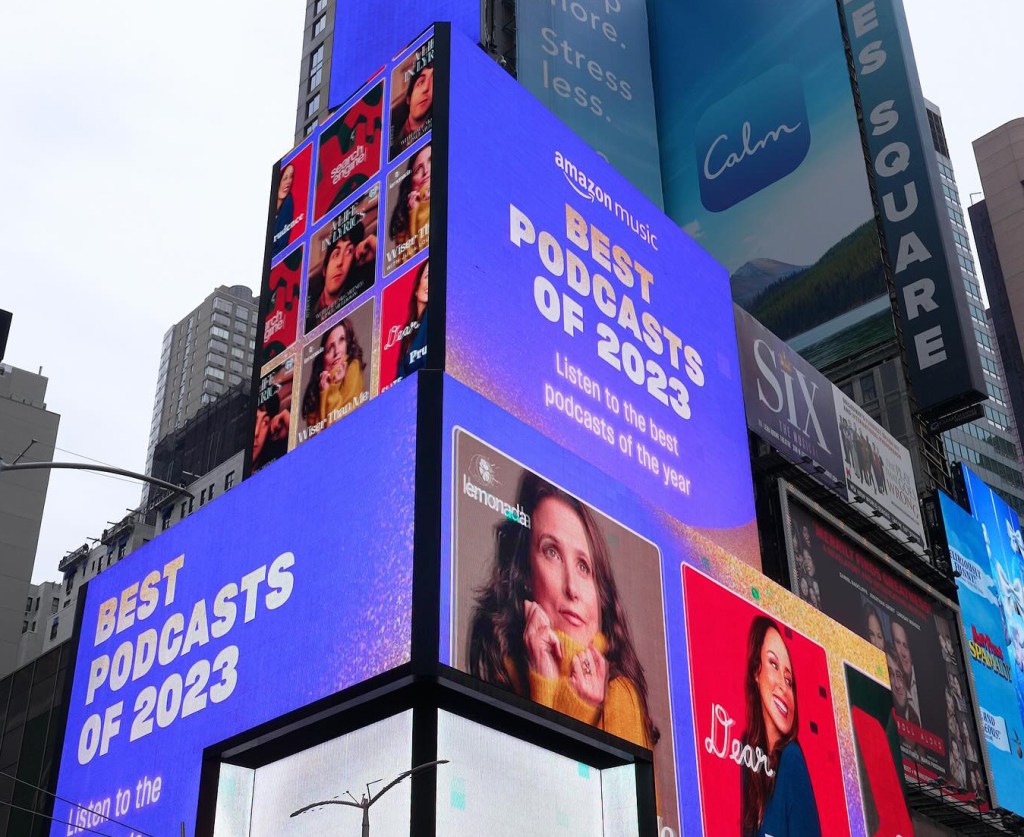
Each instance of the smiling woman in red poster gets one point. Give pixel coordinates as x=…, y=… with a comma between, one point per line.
x=777, y=797
x=549, y=623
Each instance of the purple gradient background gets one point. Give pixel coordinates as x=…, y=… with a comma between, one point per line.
x=502, y=152
x=343, y=505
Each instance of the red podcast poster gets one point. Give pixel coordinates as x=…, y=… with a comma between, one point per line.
x=282, y=320
x=291, y=199
x=350, y=151
x=764, y=719
x=403, y=332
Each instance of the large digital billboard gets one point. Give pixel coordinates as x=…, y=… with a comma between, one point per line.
x=344, y=298
x=567, y=589
x=990, y=660
x=575, y=304
x=758, y=134
x=253, y=607
x=797, y=410
x=941, y=348
x=589, y=62
x=918, y=634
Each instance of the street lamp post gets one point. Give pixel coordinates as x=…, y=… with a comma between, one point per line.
x=369, y=798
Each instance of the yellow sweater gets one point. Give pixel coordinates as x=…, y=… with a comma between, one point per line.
x=621, y=714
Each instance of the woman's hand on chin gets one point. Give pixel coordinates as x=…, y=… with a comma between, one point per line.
x=588, y=675
x=543, y=651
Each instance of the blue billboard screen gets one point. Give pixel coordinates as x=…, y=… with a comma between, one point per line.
x=576, y=305
x=289, y=588
x=366, y=33
x=994, y=582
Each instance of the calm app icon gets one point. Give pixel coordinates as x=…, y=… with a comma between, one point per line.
x=756, y=135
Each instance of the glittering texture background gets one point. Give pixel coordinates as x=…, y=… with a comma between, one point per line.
x=840, y=644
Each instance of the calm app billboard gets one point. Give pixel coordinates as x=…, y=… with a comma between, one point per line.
x=566, y=589
x=990, y=660
x=758, y=134
x=576, y=305
x=293, y=586
x=589, y=62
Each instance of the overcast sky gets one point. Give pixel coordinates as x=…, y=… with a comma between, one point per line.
x=139, y=139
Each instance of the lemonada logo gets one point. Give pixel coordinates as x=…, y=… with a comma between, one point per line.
x=752, y=138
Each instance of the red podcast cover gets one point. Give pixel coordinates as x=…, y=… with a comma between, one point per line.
x=291, y=200
x=350, y=151
x=403, y=331
x=281, y=324
x=764, y=720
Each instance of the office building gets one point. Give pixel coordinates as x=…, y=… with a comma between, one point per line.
x=998, y=224
x=989, y=444
x=204, y=356
x=28, y=431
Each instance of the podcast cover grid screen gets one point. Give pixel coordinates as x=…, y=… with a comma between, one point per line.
x=576, y=305
x=344, y=301
x=568, y=589
x=249, y=609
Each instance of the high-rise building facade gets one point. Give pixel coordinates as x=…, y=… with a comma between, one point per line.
x=27, y=431
x=998, y=223
x=989, y=443
x=203, y=357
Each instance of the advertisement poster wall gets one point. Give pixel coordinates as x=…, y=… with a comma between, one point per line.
x=756, y=141
x=589, y=62
x=210, y=629
x=352, y=204
x=653, y=605
x=990, y=661
x=918, y=634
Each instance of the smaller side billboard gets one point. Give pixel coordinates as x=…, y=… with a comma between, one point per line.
x=991, y=663
x=918, y=634
x=798, y=411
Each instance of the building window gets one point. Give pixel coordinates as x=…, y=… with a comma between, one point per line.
x=319, y=25
x=165, y=522
x=183, y=512
x=221, y=305
x=69, y=582
x=241, y=313
x=320, y=6
x=210, y=490
x=37, y=604
x=53, y=630
x=316, y=68
x=54, y=605
x=312, y=106
x=24, y=627
x=221, y=320
x=222, y=333
x=28, y=605
x=309, y=128
x=202, y=497
x=229, y=480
